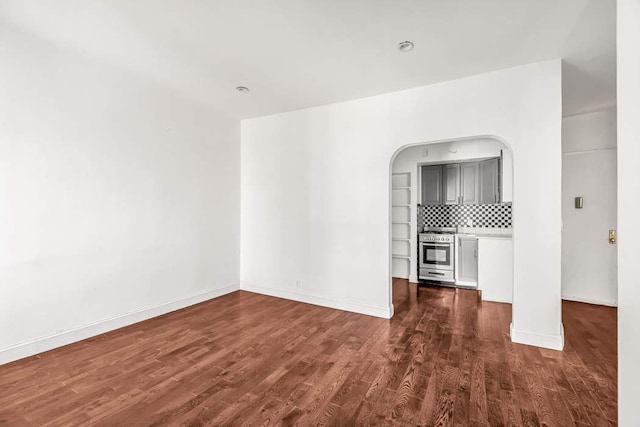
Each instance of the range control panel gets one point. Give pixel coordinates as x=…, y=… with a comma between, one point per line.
x=437, y=238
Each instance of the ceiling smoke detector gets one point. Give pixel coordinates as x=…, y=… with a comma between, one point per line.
x=405, y=46
x=242, y=89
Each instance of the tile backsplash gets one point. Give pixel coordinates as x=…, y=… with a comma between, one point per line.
x=491, y=216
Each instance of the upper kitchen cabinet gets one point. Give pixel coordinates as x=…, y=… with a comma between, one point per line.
x=451, y=184
x=432, y=185
x=489, y=172
x=467, y=183
x=470, y=183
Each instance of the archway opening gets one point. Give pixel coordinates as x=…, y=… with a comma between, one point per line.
x=451, y=220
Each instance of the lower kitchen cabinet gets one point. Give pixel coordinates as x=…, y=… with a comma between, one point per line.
x=468, y=259
x=495, y=268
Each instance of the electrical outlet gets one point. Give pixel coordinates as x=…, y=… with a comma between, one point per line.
x=298, y=283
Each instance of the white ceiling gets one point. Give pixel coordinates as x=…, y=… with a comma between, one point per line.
x=300, y=53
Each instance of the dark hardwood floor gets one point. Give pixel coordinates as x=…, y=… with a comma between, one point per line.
x=247, y=359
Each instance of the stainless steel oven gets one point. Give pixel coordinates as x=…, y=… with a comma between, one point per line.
x=436, y=256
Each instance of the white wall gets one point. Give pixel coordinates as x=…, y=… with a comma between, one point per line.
x=588, y=132
x=119, y=200
x=589, y=262
x=628, y=80
x=408, y=160
x=315, y=190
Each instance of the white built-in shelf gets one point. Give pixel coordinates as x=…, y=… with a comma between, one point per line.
x=400, y=214
x=402, y=179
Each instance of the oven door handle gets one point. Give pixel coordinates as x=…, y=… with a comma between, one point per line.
x=431, y=273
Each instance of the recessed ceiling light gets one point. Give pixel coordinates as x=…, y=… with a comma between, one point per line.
x=405, y=46
x=242, y=89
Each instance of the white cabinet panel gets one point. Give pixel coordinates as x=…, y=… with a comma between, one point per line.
x=468, y=259
x=495, y=268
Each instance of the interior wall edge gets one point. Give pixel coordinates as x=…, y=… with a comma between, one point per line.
x=628, y=131
x=50, y=342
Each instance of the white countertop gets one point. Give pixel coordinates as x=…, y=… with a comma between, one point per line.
x=494, y=236
x=487, y=233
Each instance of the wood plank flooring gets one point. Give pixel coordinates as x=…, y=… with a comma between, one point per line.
x=248, y=359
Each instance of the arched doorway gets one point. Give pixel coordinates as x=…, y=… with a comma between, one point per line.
x=468, y=198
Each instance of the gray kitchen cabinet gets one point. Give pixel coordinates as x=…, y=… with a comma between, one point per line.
x=451, y=190
x=467, y=183
x=432, y=185
x=468, y=259
x=470, y=183
x=489, y=181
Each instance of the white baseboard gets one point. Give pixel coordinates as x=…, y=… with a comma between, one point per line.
x=554, y=342
x=413, y=278
x=49, y=342
x=610, y=303
x=339, y=304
